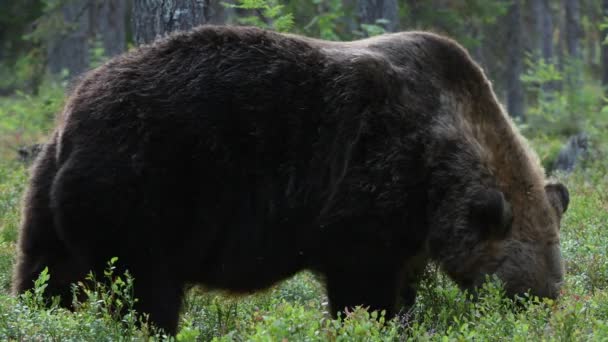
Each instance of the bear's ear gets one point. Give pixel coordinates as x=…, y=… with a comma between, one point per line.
x=491, y=214
x=558, y=196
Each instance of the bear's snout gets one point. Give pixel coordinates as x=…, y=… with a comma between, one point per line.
x=531, y=268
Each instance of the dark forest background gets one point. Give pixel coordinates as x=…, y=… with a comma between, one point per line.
x=547, y=58
x=510, y=38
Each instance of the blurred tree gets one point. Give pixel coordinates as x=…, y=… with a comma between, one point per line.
x=17, y=18
x=75, y=34
x=218, y=14
x=544, y=28
x=573, y=33
x=80, y=34
x=268, y=14
x=543, y=20
x=514, y=66
x=154, y=18
x=349, y=7
x=383, y=13
x=109, y=18
x=590, y=35
x=479, y=25
x=330, y=19
x=573, y=27
x=68, y=47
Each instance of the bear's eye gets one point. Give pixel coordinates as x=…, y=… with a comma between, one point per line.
x=491, y=213
x=558, y=196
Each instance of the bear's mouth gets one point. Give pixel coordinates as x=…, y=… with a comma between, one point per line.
x=531, y=268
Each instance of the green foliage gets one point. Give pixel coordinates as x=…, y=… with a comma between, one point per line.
x=547, y=147
x=110, y=300
x=325, y=19
x=12, y=183
x=25, y=72
x=325, y=24
x=370, y=30
x=458, y=19
x=97, y=55
x=20, y=60
x=267, y=14
x=50, y=23
x=560, y=106
x=215, y=315
x=548, y=111
x=7, y=253
x=25, y=118
x=540, y=73
x=105, y=312
x=584, y=237
x=294, y=310
x=35, y=298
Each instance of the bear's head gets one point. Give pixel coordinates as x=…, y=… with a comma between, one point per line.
x=520, y=241
x=494, y=211
x=511, y=234
x=491, y=210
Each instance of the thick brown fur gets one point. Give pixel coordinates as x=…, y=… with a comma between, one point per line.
x=236, y=157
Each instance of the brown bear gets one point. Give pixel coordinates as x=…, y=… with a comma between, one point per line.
x=235, y=157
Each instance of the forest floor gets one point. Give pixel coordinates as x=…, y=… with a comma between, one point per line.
x=296, y=310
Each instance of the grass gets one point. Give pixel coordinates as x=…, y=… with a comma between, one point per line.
x=296, y=309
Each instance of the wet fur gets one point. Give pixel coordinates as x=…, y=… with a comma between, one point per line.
x=236, y=157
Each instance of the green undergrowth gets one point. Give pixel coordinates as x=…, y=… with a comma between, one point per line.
x=25, y=119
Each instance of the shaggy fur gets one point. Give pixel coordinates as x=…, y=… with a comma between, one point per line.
x=236, y=157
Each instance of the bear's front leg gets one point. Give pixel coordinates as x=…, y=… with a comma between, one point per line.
x=374, y=289
x=407, y=298
x=160, y=298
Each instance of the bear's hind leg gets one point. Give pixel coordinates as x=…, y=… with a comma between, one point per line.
x=104, y=210
x=39, y=245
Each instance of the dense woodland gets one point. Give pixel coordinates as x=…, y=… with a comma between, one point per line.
x=547, y=59
x=510, y=38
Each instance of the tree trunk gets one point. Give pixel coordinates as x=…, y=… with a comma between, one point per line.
x=544, y=29
x=109, y=21
x=69, y=50
x=350, y=9
x=217, y=13
x=544, y=35
x=372, y=10
x=605, y=47
x=514, y=67
x=573, y=35
x=573, y=27
x=156, y=18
